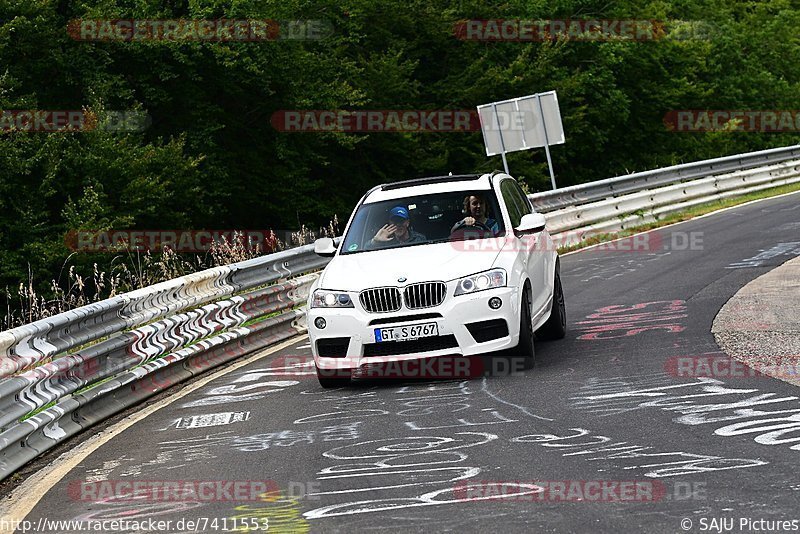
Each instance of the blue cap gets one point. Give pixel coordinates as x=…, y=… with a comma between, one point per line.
x=398, y=211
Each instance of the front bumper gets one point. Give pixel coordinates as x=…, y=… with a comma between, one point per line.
x=353, y=325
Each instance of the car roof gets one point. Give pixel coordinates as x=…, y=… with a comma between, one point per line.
x=432, y=184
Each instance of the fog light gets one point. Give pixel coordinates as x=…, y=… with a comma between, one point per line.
x=320, y=323
x=495, y=303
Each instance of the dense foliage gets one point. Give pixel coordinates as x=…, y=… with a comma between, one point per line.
x=211, y=158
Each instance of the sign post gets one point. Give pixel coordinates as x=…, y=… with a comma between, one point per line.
x=546, y=142
x=502, y=144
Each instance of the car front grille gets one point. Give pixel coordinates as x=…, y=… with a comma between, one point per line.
x=424, y=295
x=380, y=299
x=397, y=348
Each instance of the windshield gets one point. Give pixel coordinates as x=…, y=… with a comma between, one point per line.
x=418, y=220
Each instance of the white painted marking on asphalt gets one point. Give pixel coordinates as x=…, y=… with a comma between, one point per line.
x=781, y=249
x=517, y=406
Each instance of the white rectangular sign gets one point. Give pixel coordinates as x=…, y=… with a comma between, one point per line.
x=516, y=124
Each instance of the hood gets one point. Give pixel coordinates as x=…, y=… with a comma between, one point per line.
x=417, y=263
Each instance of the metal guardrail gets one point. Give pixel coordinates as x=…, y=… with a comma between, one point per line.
x=630, y=183
x=61, y=375
x=573, y=224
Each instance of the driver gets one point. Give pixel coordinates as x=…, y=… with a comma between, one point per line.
x=475, y=208
x=397, y=231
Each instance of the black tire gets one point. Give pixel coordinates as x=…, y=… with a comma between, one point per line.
x=330, y=382
x=525, y=348
x=556, y=325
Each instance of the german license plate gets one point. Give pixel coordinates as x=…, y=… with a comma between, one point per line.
x=404, y=333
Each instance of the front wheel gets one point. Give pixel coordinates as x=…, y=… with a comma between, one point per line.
x=525, y=348
x=556, y=325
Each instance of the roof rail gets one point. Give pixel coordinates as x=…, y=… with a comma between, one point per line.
x=429, y=180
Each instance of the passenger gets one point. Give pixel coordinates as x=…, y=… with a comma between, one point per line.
x=397, y=231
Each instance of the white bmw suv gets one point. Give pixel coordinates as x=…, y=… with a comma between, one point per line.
x=447, y=266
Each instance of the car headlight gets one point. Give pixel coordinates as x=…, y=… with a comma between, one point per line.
x=480, y=281
x=322, y=298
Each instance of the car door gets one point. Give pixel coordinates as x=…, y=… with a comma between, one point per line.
x=517, y=248
x=528, y=246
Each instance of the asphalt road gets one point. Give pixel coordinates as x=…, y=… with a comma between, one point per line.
x=604, y=408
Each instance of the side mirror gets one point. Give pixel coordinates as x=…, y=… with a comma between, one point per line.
x=324, y=247
x=531, y=223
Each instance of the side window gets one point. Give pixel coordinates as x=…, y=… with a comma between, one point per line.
x=512, y=201
x=523, y=200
